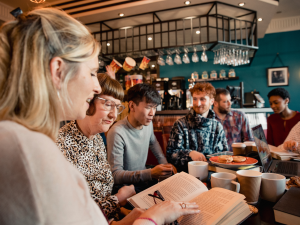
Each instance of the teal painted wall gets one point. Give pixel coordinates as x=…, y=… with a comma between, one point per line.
x=287, y=44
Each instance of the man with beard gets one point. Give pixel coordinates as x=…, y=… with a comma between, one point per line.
x=235, y=123
x=198, y=133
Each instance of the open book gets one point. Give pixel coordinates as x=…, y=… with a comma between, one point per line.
x=217, y=206
x=281, y=154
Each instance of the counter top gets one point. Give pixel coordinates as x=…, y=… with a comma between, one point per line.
x=185, y=111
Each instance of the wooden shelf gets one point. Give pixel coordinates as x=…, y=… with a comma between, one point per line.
x=172, y=112
x=216, y=79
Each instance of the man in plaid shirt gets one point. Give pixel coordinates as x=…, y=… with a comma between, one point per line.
x=198, y=133
x=235, y=123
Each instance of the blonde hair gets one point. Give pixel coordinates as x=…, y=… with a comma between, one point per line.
x=110, y=87
x=27, y=45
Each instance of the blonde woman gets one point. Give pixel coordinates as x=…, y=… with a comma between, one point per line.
x=48, y=65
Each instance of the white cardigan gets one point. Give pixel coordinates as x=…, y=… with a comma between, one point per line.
x=38, y=185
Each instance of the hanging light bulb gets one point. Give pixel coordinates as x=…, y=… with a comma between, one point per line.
x=38, y=1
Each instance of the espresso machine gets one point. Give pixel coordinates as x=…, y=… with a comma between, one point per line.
x=176, y=94
x=161, y=85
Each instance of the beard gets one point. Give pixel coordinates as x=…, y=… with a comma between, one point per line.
x=224, y=110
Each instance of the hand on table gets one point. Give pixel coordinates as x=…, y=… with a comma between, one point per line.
x=161, y=170
x=124, y=193
x=169, y=211
x=197, y=156
x=290, y=145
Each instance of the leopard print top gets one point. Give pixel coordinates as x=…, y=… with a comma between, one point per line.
x=90, y=158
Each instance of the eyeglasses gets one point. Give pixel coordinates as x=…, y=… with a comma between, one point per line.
x=157, y=195
x=110, y=105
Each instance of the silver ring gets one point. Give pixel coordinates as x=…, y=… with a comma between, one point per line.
x=183, y=205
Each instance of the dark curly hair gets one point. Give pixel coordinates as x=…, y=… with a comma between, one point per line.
x=284, y=94
x=138, y=92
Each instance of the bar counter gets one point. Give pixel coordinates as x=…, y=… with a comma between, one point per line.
x=185, y=111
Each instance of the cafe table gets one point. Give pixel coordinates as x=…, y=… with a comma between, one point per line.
x=265, y=215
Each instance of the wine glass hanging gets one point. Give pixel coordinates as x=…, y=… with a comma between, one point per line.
x=231, y=57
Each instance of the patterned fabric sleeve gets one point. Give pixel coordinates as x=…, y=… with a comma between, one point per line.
x=177, y=149
x=294, y=135
x=221, y=141
x=110, y=205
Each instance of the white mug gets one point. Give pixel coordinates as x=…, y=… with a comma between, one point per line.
x=225, y=180
x=272, y=186
x=198, y=169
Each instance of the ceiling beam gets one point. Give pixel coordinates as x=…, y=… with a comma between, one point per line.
x=112, y=8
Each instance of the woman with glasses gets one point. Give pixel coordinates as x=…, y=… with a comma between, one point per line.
x=82, y=145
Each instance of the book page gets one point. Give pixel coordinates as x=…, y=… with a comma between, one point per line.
x=281, y=152
x=213, y=205
x=236, y=215
x=179, y=187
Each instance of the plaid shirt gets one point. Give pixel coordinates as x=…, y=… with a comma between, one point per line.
x=194, y=132
x=236, y=127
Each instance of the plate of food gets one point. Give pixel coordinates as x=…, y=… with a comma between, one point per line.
x=292, y=182
x=229, y=161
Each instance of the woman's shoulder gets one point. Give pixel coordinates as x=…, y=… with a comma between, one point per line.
x=21, y=140
x=19, y=133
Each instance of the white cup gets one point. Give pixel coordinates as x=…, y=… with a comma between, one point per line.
x=225, y=180
x=198, y=169
x=272, y=186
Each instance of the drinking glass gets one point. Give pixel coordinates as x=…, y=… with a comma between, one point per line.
x=169, y=60
x=177, y=59
x=185, y=58
x=161, y=61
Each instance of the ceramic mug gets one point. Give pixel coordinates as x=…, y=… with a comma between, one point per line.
x=272, y=186
x=225, y=180
x=198, y=169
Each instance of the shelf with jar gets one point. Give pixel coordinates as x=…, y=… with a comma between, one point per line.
x=213, y=76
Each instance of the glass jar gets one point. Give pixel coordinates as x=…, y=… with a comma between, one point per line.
x=222, y=74
x=204, y=75
x=213, y=74
x=231, y=73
